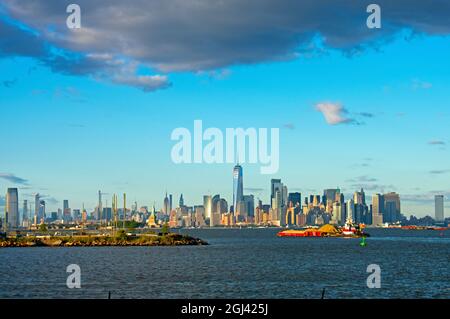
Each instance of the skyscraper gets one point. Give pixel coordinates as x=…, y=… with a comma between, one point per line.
x=207, y=204
x=392, y=207
x=275, y=184
x=249, y=201
x=377, y=209
x=337, y=217
x=238, y=186
x=12, y=208
x=36, y=208
x=25, y=213
x=181, y=201
x=359, y=197
x=100, y=206
x=66, y=211
x=330, y=195
x=295, y=198
x=41, y=211
x=350, y=211
x=329, y=198
x=166, y=204
x=439, y=208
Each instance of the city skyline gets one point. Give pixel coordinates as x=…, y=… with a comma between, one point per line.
x=356, y=107
x=237, y=196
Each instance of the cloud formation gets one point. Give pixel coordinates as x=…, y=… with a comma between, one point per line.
x=441, y=171
x=9, y=83
x=13, y=179
x=334, y=113
x=436, y=142
x=49, y=199
x=290, y=126
x=200, y=35
x=426, y=198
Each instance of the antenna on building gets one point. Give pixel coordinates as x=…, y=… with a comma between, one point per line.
x=124, y=209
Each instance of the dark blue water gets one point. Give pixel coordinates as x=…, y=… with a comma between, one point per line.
x=247, y=263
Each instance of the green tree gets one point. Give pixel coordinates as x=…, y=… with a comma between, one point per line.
x=165, y=229
x=43, y=228
x=121, y=235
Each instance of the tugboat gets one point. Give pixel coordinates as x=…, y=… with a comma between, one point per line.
x=352, y=230
x=349, y=229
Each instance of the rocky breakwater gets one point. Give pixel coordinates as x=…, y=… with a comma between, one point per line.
x=94, y=241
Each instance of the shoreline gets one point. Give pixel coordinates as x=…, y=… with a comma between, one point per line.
x=171, y=239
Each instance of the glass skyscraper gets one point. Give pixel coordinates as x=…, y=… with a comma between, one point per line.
x=238, y=186
x=12, y=208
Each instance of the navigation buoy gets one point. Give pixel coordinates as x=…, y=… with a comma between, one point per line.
x=363, y=242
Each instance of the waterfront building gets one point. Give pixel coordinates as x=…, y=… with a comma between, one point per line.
x=392, y=212
x=215, y=219
x=301, y=219
x=199, y=216
x=207, y=204
x=249, y=201
x=66, y=211
x=258, y=215
x=240, y=211
x=216, y=205
x=337, y=217
x=350, y=211
x=106, y=215
x=316, y=200
x=290, y=218
x=295, y=198
x=439, y=208
x=173, y=219
x=12, y=217
x=377, y=209
x=227, y=219
x=329, y=198
x=222, y=206
x=319, y=220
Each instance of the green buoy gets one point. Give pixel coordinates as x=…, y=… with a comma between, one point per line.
x=363, y=242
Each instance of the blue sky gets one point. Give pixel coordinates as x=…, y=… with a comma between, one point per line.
x=67, y=134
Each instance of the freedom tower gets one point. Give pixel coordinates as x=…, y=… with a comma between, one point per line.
x=238, y=188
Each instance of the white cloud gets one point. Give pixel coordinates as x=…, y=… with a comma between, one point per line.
x=334, y=113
